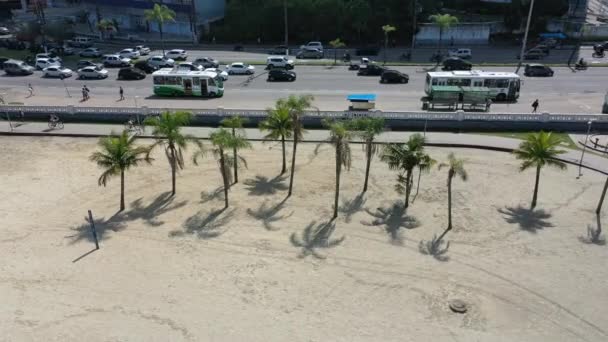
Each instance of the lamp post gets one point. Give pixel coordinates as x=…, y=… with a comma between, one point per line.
x=580, y=164
x=523, y=44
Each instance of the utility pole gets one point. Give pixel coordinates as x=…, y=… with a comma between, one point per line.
x=523, y=44
x=286, y=25
x=414, y=16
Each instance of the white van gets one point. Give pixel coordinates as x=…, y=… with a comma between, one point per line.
x=83, y=42
x=461, y=53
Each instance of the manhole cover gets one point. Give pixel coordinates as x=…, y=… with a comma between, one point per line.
x=458, y=306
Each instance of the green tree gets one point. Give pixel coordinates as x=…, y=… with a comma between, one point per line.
x=336, y=44
x=539, y=150
x=104, y=26
x=367, y=128
x=360, y=12
x=166, y=128
x=387, y=29
x=278, y=125
x=118, y=154
x=444, y=21
x=404, y=158
x=339, y=137
x=297, y=106
x=160, y=14
x=235, y=123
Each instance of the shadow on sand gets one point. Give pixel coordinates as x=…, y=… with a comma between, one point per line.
x=314, y=237
x=102, y=226
x=392, y=219
x=269, y=214
x=528, y=220
x=436, y=248
x=206, y=226
x=261, y=185
x=151, y=212
x=210, y=196
x=350, y=207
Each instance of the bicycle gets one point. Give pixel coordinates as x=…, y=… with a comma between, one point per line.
x=131, y=126
x=56, y=124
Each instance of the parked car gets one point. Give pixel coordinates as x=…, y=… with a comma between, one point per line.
x=281, y=75
x=278, y=50
x=83, y=42
x=279, y=62
x=550, y=42
x=15, y=67
x=223, y=75
x=90, y=52
x=455, y=63
x=93, y=72
x=190, y=66
x=56, y=71
x=206, y=62
x=370, y=70
x=85, y=63
x=240, y=69
x=4, y=31
x=177, y=54
x=145, y=66
x=309, y=53
x=48, y=56
x=42, y=63
x=313, y=45
x=143, y=50
x=538, y=70
x=533, y=54
x=461, y=53
x=161, y=62
x=394, y=76
x=129, y=53
x=2, y=60
x=115, y=61
x=131, y=73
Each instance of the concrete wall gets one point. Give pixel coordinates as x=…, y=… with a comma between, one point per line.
x=474, y=33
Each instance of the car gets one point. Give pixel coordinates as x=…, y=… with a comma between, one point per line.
x=42, y=63
x=544, y=48
x=394, y=76
x=145, y=66
x=4, y=31
x=131, y=73
x=240, y=69
x=370, y=70
x=550, y=42
x=15, y=67
x=533, y=54
x=49, y=55
x=207, y=62
x=223, y=75
x=177, y=54
x=601, y=46
x=115, y=60
x=93, y=72
x=281, y=75
x=90, y=52
x=278, y=50
x=313, y=45
x=2, y=60
x=538, y=70
x=461, y=53
x=161, y=62
x=85, y=63
x=190, y=66
x=456, y=63
x=279, y=62
x=129, y=53
x=143, y=50
x=56, y=71
x=83, y=42
x=309, y=53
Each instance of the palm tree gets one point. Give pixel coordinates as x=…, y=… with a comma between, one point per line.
x=426, y=164
x=223, y=140
x=455, y=168
x=538, y=150
x=404, y=158
x=368, y=128
x=297, y=105
x=278, y=124
x=118, y=154
x=339, y=136
x=336, y=44
x=167, y=130
x=387, y=29
x=234, y=123
x=104, y=26
x=444, y=21
x=160, y=14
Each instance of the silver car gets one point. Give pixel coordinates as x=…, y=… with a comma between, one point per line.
x=310, y=53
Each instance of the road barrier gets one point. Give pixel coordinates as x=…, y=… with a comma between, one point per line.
x=396, y=120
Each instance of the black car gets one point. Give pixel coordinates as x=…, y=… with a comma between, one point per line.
x=455, y=63
x=281, y=75
x=394, y=76
x=538, y=70
x=278, y=50
x=2, y=60
x=84, y=63
x=370, y=70
x=145, y=67
x=131, y=73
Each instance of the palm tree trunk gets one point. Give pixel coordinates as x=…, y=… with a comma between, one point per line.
x=408, y=186
x=418, y=185
x=173, y=171
x=284, y=168
x=293, y=163
x=122, y=190
x=449, y=206
x=338, y=170
x=368, y=163
x=224, y=177
x=162, y=41
x=236, y=161
x=599, y=205
x=535, y=188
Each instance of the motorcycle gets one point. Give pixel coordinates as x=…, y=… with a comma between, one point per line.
x=598, y=54
x=579, y=66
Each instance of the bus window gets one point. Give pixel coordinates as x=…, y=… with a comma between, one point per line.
x=478, y=83
x=170, y=80
x=465, y=82
x=196, y=81
x=428, y=80
x=210, y=82
x=515, y=84
x=159, y=80
x=178, y=80
x=434, y=81
x=489, y=83
x=502, y=83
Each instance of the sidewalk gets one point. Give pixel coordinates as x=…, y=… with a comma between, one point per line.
x=591, y=161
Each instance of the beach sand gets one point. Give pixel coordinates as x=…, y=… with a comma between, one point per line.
x=183, y=269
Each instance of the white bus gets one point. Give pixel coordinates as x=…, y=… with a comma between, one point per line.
x=503, y=85
x=176, y=82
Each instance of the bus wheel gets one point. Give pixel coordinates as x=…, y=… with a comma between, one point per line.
x=501, y=97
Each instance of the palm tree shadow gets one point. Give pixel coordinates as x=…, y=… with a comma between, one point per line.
x=594, y=233
x=351, y=207
x=209, y=196
x=314, y=238
x=150, y=213
x=205, y=226
x=261, y=185
x=269, y=215
x=435, y=248
x=528, y=220
x=392, y=219
x=102, y=226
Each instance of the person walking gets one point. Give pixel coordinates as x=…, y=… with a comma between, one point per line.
x=87, y=91
x=30, y=89
x=84, y=94
x=122, y=93
x=534, y=106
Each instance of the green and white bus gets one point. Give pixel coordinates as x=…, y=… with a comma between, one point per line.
x=176, y=82
x=502, y=85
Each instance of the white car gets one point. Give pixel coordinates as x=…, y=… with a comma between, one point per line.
x=223, y=75
x=115, y=60
x=129, y=53
x=56, y=71
x=143, y=50
x=42, y=63
x=189, y=66
x=240, y=69
x=313, y=45
x=48, y=56
x=177, y=54
x=279, y=62
x=92, y=72
x=461, y=53
x=161, y=62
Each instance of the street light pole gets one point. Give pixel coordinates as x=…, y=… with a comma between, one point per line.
x=523, y=44
x=580, y=164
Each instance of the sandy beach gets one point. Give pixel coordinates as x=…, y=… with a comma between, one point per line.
x=182, y=269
